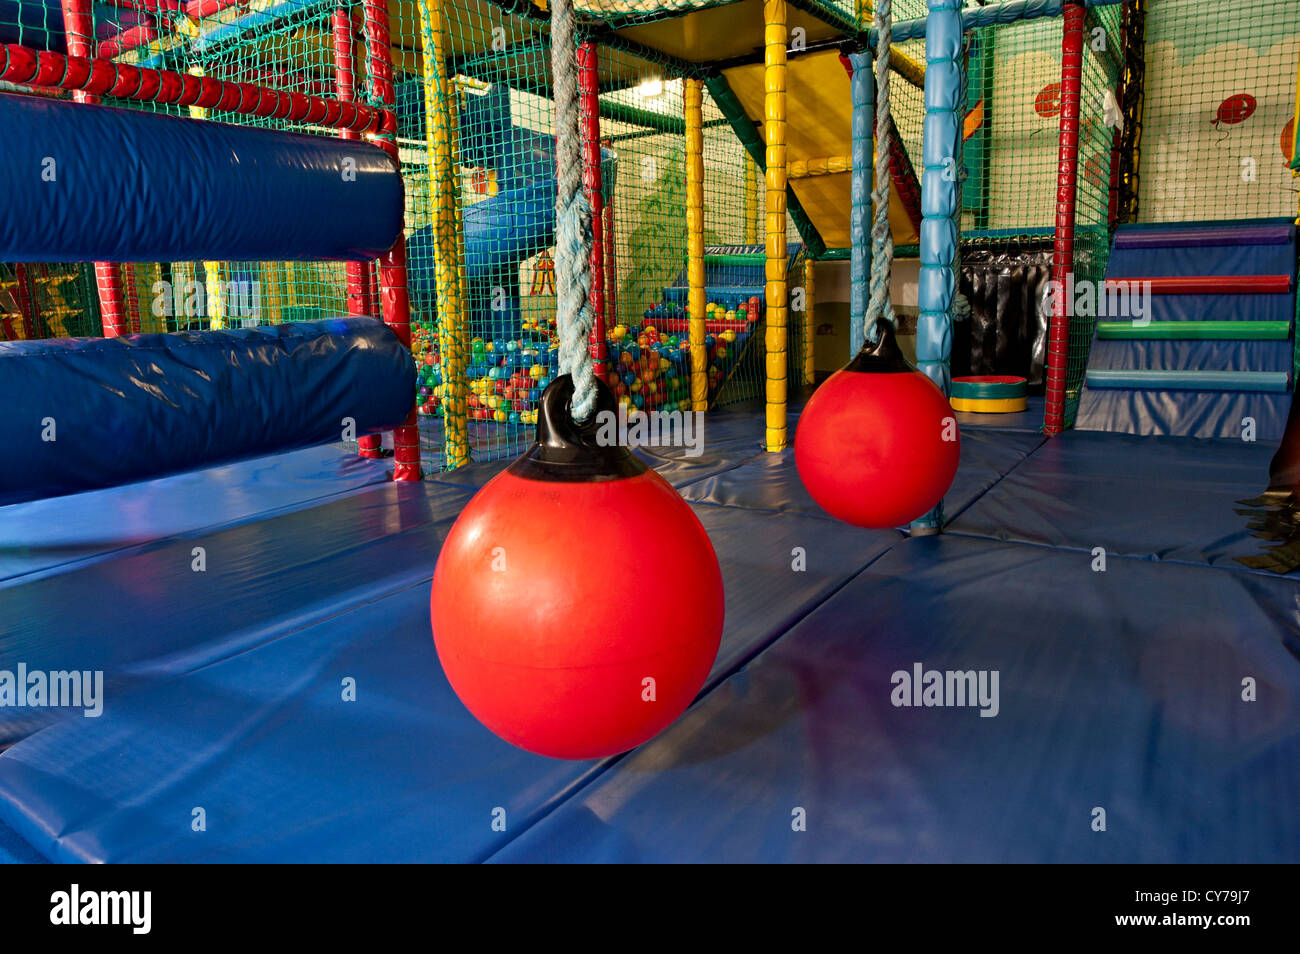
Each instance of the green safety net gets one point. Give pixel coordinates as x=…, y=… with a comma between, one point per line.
x=1218, y=110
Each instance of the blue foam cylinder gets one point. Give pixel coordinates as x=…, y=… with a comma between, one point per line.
x=84, y=413
x=96, y=183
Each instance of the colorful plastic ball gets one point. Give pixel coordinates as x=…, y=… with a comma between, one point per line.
x=520, y=608
x=877, y=444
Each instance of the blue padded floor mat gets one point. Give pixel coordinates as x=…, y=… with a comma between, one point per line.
x=287, y=771
x=47, y=534
x=1117, y=690
x=147, y=614
x=1156, y=498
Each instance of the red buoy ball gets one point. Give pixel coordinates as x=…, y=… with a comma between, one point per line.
x=877, y=444
x=529, y=609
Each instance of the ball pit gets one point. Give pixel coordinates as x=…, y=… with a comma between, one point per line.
x=647, y=365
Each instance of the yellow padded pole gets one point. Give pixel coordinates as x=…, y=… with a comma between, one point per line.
x=693, y=101
x=809, y=319
x=819, y=166
x=751, y=201
x=911, y=70
x=439, y=104
x=775, y=37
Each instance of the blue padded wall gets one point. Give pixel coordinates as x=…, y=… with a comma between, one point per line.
x=96, y=412
x=95, y=183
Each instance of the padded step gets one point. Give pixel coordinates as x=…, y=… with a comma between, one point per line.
x=1208, y=284
x=1259, y=381
x=1183, y=413
x=1196, y=330
x=1202, y=260
x=1185, y=354
x=1205, y=236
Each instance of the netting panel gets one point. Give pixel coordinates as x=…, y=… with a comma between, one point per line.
x=1220, y=91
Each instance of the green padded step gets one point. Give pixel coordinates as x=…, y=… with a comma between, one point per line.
x=735, y=258
x=1196, y=330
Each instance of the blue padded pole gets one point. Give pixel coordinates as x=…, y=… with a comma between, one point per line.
x=83, y=413
x=87, y=183
x=862, y=88
x=940, y=193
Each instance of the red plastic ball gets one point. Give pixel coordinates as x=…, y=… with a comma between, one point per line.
x=532, y=621
x=877, y=449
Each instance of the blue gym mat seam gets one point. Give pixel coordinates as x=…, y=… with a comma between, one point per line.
x=949, y=518
x=1149, y=558
x=709, y=687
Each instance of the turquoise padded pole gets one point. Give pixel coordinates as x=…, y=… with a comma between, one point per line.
x=940, y=193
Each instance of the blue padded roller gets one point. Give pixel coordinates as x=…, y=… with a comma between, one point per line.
x=96, y=412
x=95, y=183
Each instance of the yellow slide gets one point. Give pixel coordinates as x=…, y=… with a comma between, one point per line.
x=819, y=138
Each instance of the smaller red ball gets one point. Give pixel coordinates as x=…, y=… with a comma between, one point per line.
x=877, y=449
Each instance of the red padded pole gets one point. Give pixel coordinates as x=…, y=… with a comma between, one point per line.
x=359, y=300
x=589, y=124
x=392, y=267
x=1058, y=342
x=25, y=299
x=24, y=66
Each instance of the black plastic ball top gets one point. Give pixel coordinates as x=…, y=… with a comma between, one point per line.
x=566, y=450
x=881, y=357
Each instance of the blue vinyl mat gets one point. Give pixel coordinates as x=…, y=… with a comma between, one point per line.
x=1153, y=498
x=259, y=736
x=1140, y=718
x=1118, y=690
x=44, y=535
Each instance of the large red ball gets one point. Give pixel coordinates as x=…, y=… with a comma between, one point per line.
x=877, y=449
x=537, y=619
